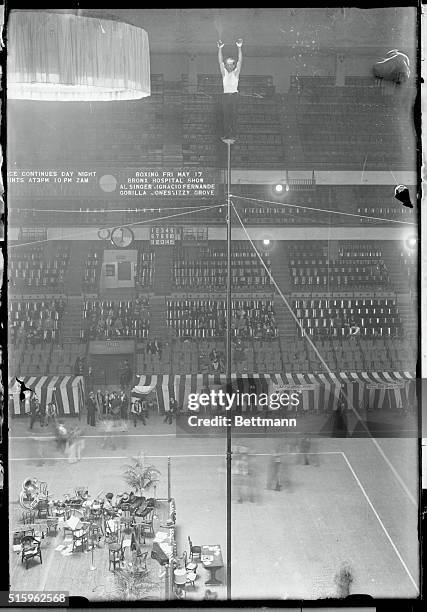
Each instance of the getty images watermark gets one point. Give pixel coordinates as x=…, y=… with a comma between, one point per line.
x=227, y=402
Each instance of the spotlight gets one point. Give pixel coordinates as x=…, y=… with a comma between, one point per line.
x=411, y=243
x=278, y=188
x=401, y=193
x=266, y=242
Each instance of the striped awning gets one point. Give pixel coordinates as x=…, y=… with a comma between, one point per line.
x=318, y=391
x=66, y=391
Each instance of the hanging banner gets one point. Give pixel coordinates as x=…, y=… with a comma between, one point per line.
x=119, y=182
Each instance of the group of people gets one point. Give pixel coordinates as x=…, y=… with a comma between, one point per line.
x=45, y=414
x=154, y=347
x=117, y=321
x=105, y=405
x=246, y=473
x=26, y=328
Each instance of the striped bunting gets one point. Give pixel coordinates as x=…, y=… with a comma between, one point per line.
x=318, y=391
x=66, y=391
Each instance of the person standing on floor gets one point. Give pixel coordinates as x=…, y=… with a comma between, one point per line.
x=91, y=409
x=274, y=471
x=136, y=411
x=344, y=579
x=171, y=412
x=34, y=409
x=52, y=412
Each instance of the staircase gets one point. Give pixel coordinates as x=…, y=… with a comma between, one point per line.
x=391, y=257
x=280, y=271
x=293, y=150
x=76, y=264
x=163, y=273
x=158, y=327
x=408, y=312
x=172, y=125
x=72, y=319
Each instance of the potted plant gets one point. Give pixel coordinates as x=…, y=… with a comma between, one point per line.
x=132, y=585
x=140, y=476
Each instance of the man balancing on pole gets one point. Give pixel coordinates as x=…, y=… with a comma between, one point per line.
x=230, y=78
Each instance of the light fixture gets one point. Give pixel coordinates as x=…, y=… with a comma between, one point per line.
x=280, y=189
x=411, y=243
x=64, y=56
x=266, y=242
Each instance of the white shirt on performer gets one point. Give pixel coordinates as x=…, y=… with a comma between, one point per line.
x=230, y=80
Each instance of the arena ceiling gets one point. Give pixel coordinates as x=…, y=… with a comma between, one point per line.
x=272, y=31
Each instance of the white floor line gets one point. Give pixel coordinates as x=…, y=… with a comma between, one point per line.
x=380, y=521
x=128, y=435
x=396, y=475
x=110, y=457
x=161, y=456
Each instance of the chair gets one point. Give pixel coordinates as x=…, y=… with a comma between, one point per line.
x=52, y=524
x=112, y=531
x=28, y=516
x=80, y=539
x=43, y=489
x=43, y=509
x=30, y=549
x=114, y=556
x=194, y=550
x=190, y=566
x=191, y=579
x=141, y=562
x=95, y=529
x=146, y=526
x=70, y=525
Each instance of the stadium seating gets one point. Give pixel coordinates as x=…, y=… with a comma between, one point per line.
x=329, y=316
x=348, y=126
x=92, y=269
x=108, y=319
x=145, y=267
x=34, y=268
x=207, y=270
x=35, y=321
x=350, y=268
x=204, y=318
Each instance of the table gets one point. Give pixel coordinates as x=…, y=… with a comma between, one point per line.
x=211, y=557
x=38, y=527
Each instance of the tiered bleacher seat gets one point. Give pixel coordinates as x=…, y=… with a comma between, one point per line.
x=408, y=265
x=160, y=363
x=327, y=316
x=145, y=266
x=200, y=127
x=30, y=268
x=108, y=319
x=92, y=269
x=34, y=360
x=34, y=321
x=354, y=267
x=64, y=357
x=341, y=125
x=208, y=270
x=267, y=356
x=204, y=318
x=58, y=133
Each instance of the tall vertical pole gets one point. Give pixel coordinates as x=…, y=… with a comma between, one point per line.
x=229, y=142
x=169, y=479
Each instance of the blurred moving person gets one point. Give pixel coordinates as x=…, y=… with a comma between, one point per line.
x=344, y=579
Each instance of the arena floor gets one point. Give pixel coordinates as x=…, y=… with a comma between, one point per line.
x=359, y=506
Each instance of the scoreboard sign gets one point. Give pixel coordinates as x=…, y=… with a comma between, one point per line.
x=164, y=235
